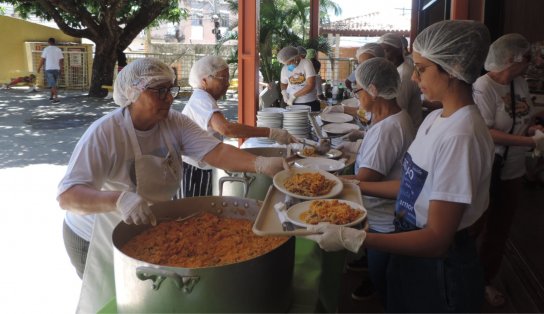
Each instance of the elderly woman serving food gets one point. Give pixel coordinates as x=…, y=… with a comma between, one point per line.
x=127, y=160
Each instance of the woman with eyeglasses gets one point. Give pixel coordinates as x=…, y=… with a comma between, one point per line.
x=209, y=77
x=128, y=160
x=433, y=264
x=502, y=95
x=297, y=80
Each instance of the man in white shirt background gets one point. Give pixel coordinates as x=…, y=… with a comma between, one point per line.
x=54, y=62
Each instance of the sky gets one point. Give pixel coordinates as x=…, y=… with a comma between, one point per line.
x=351, y=8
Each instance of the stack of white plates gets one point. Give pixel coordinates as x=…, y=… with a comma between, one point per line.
x=295, y=121
x=269, y=118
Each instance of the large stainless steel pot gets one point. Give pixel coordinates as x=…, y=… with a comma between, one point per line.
x=262, y=284
x=247, y=185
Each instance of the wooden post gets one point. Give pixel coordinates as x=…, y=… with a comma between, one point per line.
x=314, y=18
x=248, y=62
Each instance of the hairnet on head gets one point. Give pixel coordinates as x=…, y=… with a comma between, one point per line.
x=371, y=48
x=506, y=50
x=310, y=53
x=378, y=77
x=137, y=76
x=287, y=54
x=301, y=51
x=204, y=67
x=459, y=47
x=394, y=40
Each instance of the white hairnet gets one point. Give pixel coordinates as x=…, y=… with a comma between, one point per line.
x=371, y=48
x=506, y=50
x=378, y=77
x=301, y=51
x=287, y=54
x=394, y=40
x=204, y=67
x=459, y=47
x=137, y=76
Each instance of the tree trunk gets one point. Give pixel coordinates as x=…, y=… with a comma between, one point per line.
x=103, y=68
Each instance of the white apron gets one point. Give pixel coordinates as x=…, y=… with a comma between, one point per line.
x=157, y=179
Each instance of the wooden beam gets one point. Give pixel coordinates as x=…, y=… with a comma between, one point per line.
x=459, y=10
x=314, y=18
x=248, y=62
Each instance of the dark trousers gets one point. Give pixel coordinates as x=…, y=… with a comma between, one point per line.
x=496, y=224
x=76, y=247
x=316, y=105
x=196, y=181
x=377, y=270
x=437, y=285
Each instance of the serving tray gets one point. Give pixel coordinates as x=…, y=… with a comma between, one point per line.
x=267, y=222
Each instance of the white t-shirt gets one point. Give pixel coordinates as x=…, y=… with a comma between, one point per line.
x=495, y=104
x=297, y=80
x=409, y=94
x=52, y=56
x=449, y=160
x=382, y=150
x=200, y=108
x=103, y=158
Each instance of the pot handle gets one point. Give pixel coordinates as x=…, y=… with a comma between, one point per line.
x=244, y=179
x=184, y=283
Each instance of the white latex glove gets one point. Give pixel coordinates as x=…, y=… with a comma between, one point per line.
x=335, y=238
x=134, y=209
x=285, y=95
x=270, y=165
x=291, y=100
x=281, y=136
x=539, y=142
x=334, y=109
x=354, y=135
x=349, y=181
x=351, y=148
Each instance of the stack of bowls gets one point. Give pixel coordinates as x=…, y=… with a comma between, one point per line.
x=269, y=118
x=295, y=121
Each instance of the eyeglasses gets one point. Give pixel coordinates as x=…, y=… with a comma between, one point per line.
x=356, y=92
x=221, y=78
x=174, y=91
x=420, y=69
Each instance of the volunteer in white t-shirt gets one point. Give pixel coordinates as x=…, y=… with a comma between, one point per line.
x=434, y=265
x=409, y=95
x=127, y=160
x=209, y=77
x=507, y=61
x=54, y=65
x=380, y=154
x=297, y=79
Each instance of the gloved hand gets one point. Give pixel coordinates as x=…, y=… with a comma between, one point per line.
x=334, y=109
x=539, y=142
x=335, y=238
x=134, y=209
x=285, y=95
x=351, y=148
x=281, y=136
x=354, y=135
x=291, y=100
x=270, y=165
x=349, y=181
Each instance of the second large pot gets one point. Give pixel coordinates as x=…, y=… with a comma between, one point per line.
x=261, y=284
x=247, y=185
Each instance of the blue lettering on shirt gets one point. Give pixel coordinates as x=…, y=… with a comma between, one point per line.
x=411, y=184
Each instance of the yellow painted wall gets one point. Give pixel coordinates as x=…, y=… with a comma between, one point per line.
x=13, y=35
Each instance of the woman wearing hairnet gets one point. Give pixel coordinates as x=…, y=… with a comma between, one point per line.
x=380, y=155
x=434, y=266
x=502, y=95
x=409, y=96
x=297, y=79
x=127, y=160
x=209, y=77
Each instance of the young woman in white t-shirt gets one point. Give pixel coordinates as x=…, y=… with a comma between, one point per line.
x=434, y=266
x=507, y=61
x=380, y=155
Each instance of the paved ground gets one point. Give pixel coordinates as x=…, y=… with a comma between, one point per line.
x=36, y=141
